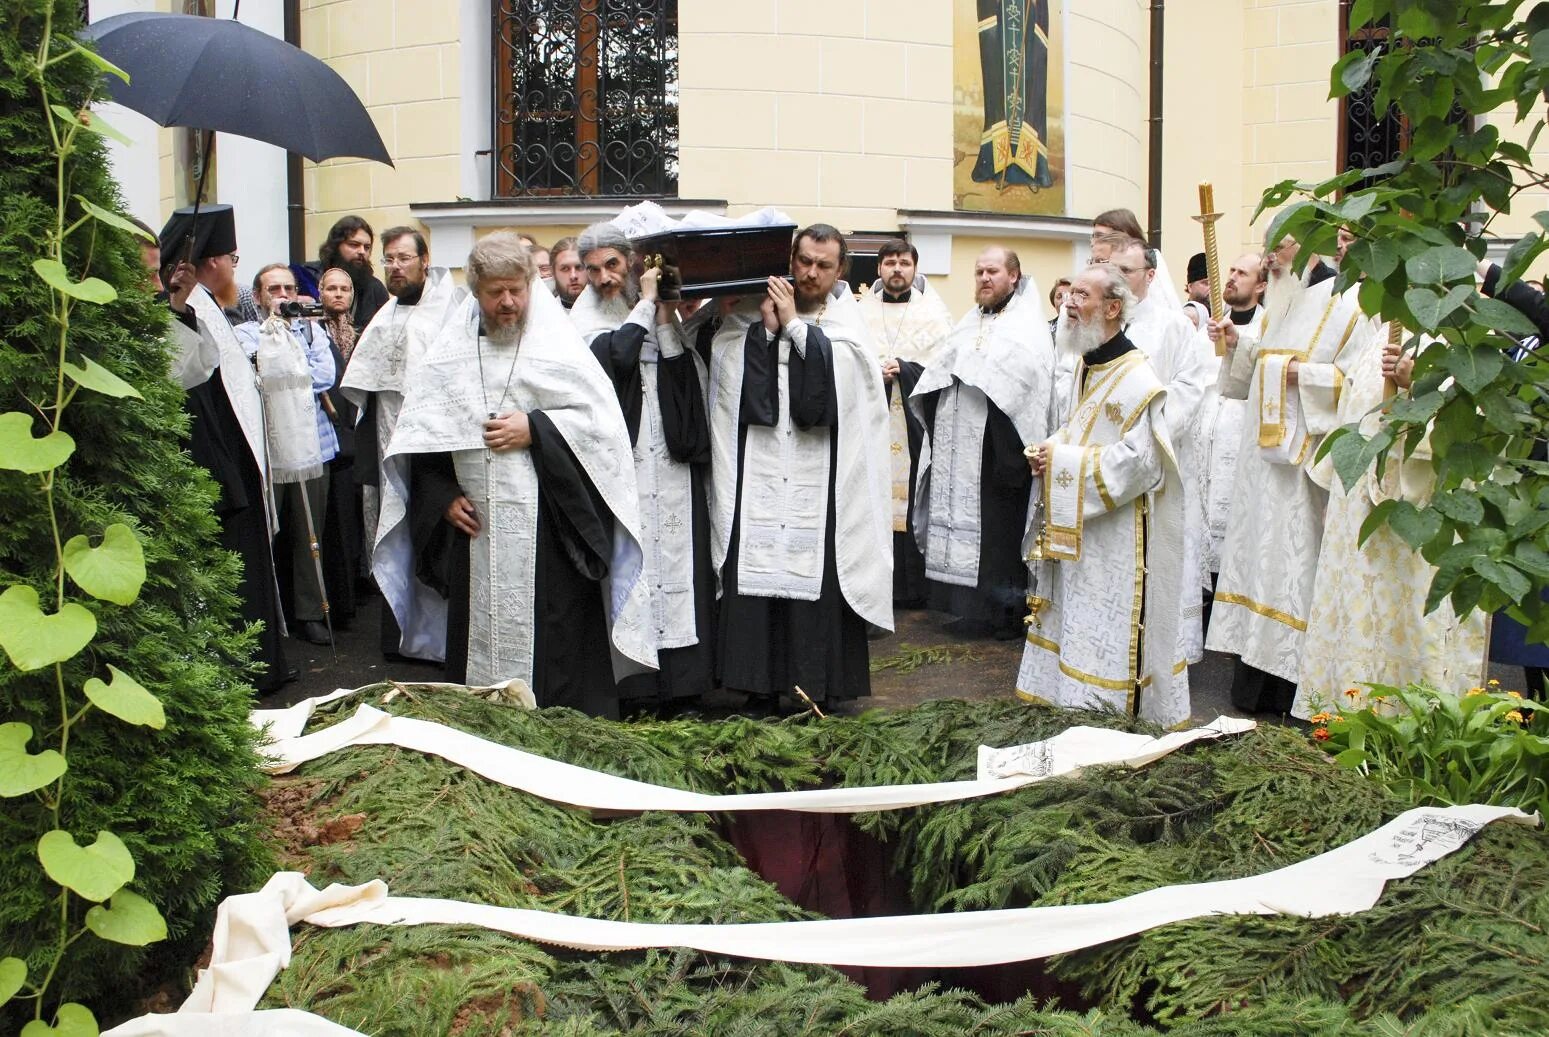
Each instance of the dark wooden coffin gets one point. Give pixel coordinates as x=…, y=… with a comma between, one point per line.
x=701, y=264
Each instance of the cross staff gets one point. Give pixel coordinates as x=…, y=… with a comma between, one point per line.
x=1207, y=218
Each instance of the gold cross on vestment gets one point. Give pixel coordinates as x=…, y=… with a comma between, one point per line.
x=1064, y=479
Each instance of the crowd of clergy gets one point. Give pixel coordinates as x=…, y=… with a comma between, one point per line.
x=559, y=473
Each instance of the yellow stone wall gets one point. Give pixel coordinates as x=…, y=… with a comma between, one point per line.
x=402, y=58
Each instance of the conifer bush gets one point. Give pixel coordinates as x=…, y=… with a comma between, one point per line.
x=182, y=798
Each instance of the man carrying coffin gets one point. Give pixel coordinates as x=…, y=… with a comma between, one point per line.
x=516, y=441
x=394, y=343
x=984, y=398
x=1291, y=375
x=1104, y=633
x=227, y=434
x=660, y=388
x=802, y=532
x=909, y=325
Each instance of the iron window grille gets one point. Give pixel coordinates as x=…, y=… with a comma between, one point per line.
x=586, y=98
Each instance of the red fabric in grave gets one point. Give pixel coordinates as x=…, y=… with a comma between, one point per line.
x=826, y=864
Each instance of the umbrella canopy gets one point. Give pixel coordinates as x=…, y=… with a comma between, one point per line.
x=220, y=75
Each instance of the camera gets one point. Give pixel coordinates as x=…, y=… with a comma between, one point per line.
x=304, y=310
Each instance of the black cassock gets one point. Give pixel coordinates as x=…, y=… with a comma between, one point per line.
x=217, y=444
x=688, y=671
x=770, y=645
x=910, y=588
x=571, y=662
x=999, y=598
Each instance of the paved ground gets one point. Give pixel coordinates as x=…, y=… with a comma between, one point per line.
x=923, y=662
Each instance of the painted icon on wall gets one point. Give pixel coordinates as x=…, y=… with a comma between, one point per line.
x=1008, y=122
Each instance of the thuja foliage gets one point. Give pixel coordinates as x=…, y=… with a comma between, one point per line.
x=1469, y=76
x=1459, y=948
x=126, y=762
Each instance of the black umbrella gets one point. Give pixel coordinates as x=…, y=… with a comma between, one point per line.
x=220, y=75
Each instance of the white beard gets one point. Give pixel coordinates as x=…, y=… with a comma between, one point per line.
x=1280, y=293
x=1075, y=338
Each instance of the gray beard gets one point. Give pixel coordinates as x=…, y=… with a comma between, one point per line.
x=507, y=335
x=1075, y=338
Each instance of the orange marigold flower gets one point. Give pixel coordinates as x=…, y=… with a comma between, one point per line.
x=1319, y=718
x=1514, y=715
x=1352, y=693
x=1514, y=694
x=1492, y=682
x=1475, y=691
x=1321, y=734
x=1339, y=720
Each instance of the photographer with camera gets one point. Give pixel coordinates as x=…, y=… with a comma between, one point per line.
x=274, y=289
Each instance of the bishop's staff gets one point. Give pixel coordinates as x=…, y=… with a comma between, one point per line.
x=1207, y=218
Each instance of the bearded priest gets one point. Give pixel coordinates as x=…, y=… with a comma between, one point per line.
x=802, y=532
x=909, y=324
x=984, y=398
x=517, y=442
x=1104, y=634
x=1292, y=375
x=660, y=387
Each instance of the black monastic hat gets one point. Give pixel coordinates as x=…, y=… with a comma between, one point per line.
x=1197, y=268
x=215, y=233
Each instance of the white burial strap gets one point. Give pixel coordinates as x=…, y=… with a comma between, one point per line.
x=1000, y=770
x=252, y=941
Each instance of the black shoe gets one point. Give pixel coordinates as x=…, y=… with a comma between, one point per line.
x=313, y=631
x=292, y=675
x=759, y=707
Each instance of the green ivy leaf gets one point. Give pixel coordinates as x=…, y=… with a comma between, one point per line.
x=1511, y=582
x=112, y=219
x=91, y=375
x=92, y=122
x=93, y=289
x=1413, y=526
x=1460, y=507
x=128, y=919
x=72, y=1020
x=20, y=771
x=1442, y=265
x=1498, y=316
x=1425, y=304
x=13, y=973
x=97, y=59
x=95, y=872
x=20, y=452
x=1519, y=257
x=1475, y=367
x=1384, y=259
x=33, y=640
x=113, y=571
x=125, y=698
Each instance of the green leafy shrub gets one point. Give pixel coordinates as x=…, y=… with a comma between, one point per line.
x=179, y=797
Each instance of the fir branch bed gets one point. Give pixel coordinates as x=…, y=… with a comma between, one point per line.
x=1461, y=947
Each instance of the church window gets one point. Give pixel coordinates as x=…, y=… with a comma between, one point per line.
x=586, y=98
x=1367, y=137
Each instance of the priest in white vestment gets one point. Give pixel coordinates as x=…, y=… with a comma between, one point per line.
x=984, y=399
x=1180, y=356
x=909, y=323
x=660, y=385
x=1367, y=623
x=1103, y=633
x=1218, y=435
x=799, y=512
x=517, y=443
x=422, y=299
x=1291, y=375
